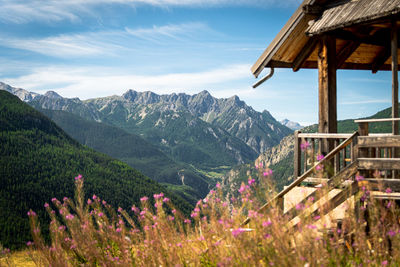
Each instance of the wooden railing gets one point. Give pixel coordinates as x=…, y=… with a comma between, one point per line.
x=278, y=199
x=378, y=153
x=310, y=146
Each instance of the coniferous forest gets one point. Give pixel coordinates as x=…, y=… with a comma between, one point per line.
x=39, y=161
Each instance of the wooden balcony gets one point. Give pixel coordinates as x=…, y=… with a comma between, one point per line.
x=377, y=155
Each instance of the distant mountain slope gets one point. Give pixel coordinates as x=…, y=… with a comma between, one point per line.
x=39, y=161
x=135, y=151
x=199, y=129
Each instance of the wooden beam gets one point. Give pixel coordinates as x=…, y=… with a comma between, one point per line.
x=395, y=78
x=378, y=164
x=380, y=59
x=382, y=184
x=304, y=53
x=346, y=52
x=327, y=89
x=379, y=141
x=297, y=155
x=378, y=39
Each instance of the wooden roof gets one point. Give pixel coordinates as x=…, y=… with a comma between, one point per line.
x=352, y=13
x=361, y=29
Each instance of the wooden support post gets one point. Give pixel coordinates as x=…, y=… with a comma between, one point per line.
x=363, y=152
x=327, y=89
x=297, y=156
x=395, y=79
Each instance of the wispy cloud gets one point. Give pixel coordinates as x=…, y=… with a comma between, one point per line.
x=88, y=82
x=172, y=31
x=22, y=11
x=367, y=101
x=108, y=42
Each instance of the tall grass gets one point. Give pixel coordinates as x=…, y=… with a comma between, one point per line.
x=91, y=233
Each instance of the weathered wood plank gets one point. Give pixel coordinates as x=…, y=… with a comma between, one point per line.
x=395, y=78
x=380, y=59
x=297, y=155
x=381, y=184
x=334, y=182
x=378, y=164
x=305, y=52
x=384, y=141
x=346, y=52
x=325, y=135
x=330, y=202
x=315, y=181
x=376, y=120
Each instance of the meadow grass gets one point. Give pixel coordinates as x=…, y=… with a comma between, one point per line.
x=91, y=233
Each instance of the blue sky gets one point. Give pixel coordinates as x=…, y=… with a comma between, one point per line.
x=93, y=48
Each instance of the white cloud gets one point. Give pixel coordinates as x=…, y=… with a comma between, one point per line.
x=94, y=82
x=24, y=11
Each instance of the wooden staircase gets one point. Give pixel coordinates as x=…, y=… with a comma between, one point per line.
x=373, y=157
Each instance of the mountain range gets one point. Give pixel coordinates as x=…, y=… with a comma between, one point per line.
x=182, y=141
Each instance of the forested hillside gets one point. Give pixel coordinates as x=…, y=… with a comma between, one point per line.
x=136, y=152
x=38, y=161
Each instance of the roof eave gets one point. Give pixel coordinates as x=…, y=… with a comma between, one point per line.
x=269, y=52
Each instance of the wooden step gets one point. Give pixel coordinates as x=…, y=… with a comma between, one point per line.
x=326, y=204
x=315, y=181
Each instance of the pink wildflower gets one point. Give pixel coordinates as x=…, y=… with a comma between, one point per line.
x=359, y=178
x=144, y=199
x=46, y=205
x=251, y=181
x=267, y=223
x=100, y=214
x=319, y=167
x=31, y=213
x=388, y=190
x=78, y=178
x=158, y=196
x=187, y=221
x=118, y=230
x=320, y=157
x=304, y=145
x=218, y=185
x=299, y=206
x=69, y=216
x=238, y=231
x=242, y=188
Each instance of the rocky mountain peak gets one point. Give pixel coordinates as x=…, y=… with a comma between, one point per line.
x=22, y=94
x=52, y=94
x=130, y=95
x=291, y=124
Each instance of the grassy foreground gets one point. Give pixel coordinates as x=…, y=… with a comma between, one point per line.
x=91, y=233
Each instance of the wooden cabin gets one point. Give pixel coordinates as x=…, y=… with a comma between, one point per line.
x=331, y=35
